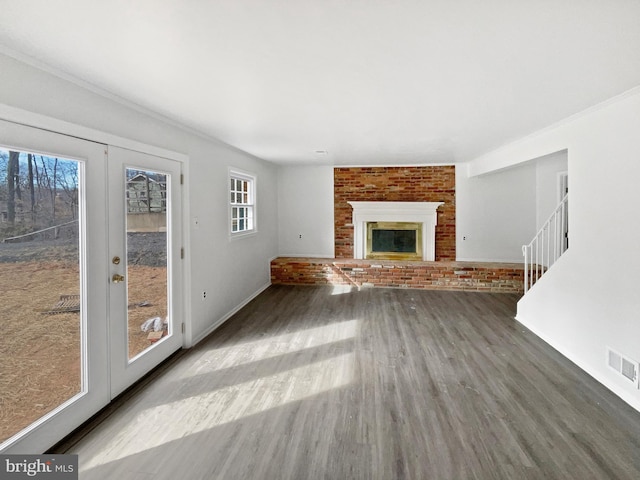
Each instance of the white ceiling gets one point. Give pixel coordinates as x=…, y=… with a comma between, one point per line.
x=368, y=81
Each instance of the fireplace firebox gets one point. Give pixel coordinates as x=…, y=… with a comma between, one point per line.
x=394, y=240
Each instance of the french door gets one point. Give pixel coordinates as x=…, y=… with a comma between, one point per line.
x=84, y=274
x=144, y=263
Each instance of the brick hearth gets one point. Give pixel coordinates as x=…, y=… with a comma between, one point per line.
x=469, y=276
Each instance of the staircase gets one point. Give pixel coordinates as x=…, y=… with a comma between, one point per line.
x=551, y=241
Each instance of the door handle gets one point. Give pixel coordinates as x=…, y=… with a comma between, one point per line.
x=117, y=278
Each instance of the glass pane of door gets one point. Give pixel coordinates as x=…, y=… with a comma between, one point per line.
x=147, y=269
x=41, y=307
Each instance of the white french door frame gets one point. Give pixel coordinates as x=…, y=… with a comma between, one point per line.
x=54, y=427
x=94, y=394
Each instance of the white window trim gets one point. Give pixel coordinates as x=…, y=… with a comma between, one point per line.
x=252, y=179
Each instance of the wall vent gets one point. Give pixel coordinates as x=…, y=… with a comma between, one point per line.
x=623, y=365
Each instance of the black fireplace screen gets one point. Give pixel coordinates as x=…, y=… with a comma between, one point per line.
x=396, y=241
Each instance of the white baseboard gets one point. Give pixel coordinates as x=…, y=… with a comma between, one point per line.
x=228, y=315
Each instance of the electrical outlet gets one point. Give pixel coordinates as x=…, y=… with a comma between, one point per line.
x=204, y=295
x=300, y=236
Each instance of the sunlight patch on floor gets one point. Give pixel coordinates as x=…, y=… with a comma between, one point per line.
x=341, y=289
x=168, y=422
x=271, y=347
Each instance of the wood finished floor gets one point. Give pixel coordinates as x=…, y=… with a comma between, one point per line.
x=376, y=384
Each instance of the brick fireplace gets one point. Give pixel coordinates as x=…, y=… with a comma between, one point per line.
x=396, y=184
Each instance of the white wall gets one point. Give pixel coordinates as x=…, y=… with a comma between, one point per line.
x=499, y=211
x=495, y=213
x=305, y=209
x=590, y=298
x=230, y=272
x=547, y=170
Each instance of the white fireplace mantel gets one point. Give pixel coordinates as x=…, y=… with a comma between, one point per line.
x=417, y=212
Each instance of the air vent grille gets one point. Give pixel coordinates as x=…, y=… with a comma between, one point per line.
x=623, y=365
x=629, y=370
x=615, y=360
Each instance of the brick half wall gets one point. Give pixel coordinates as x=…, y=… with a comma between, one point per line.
x=467, y=276
x=396, y=184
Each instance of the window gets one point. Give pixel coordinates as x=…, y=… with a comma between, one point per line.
x=242, y=193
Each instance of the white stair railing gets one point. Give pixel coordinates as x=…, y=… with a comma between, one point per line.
x=551, y=241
